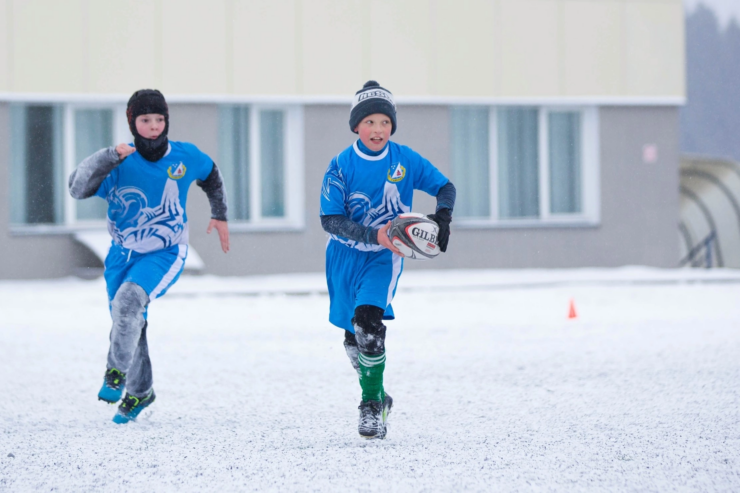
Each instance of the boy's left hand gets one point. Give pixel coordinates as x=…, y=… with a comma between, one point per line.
x=223, y=232
x=443, y=218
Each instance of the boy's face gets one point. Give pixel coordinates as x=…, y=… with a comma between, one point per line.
x=375, y=130
x=150, y=126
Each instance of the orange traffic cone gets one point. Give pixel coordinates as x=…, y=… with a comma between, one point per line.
x=572, y=311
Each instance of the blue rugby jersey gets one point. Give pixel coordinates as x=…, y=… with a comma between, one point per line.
x=373, y=189
x=146, y=200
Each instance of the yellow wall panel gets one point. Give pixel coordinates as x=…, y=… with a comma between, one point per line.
x=476, y=48
x=593, y=44
x=194, y=47
x=6, y=35
x=654, y=44
x=266, y=59
x=48, y=47
x=399, y=45
x=530, y=51
x=331, y=46
x=124, y=46
x=465, y=48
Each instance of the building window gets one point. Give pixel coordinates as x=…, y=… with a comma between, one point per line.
x=260, y=157
x=564, y=128
x=520, y=165
x=470, y=161
x=47, y=142
x=37, y=168
x=93, y=130
x=272, y=163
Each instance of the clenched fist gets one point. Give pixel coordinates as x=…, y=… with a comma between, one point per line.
x=124, y=150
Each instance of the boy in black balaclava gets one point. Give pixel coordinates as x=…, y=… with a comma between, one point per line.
x=143, y=102
x=146, y=186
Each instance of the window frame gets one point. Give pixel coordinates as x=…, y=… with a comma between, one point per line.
x=294, y=219
x=121, y=133
x=69, y=222
x=590, y=177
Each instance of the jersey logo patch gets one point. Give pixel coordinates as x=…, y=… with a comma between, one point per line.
x=176, y=171
x=396, y=173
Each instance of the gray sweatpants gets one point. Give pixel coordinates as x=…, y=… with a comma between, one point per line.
x=129, y=352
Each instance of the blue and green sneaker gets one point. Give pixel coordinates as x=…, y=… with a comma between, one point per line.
x=114, y=382
x=131, y=406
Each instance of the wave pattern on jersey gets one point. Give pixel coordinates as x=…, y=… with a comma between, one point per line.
x=135, y=225
x=333, y=178
x=360, y=209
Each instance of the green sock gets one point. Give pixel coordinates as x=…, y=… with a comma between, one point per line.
x=371, y=376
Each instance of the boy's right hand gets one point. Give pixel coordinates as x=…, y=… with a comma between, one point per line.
x=124, y=150
x=385, y=241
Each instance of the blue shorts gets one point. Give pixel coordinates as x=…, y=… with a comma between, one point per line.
x=155, y=272
x=359, y=278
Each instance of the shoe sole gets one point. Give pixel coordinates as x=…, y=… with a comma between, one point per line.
x=377, y=436
x=107, y=401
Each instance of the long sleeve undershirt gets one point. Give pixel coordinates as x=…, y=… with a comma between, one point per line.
x=214, y=188
x=86, y=179
x=89, y=175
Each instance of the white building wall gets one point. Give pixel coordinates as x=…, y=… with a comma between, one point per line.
x=433, y=48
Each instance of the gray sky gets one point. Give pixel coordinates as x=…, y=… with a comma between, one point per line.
x=724, y=9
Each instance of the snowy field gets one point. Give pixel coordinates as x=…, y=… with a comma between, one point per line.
x=494, y=388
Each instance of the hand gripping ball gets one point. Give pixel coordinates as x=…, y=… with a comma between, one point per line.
x=415, y=235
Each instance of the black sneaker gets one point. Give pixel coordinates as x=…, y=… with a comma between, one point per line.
x=131, y=406
x=113, y=384
x=373, y=418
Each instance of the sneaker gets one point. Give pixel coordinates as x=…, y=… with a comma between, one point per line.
x=113, y=384
x=131, y=406
x=373, y=418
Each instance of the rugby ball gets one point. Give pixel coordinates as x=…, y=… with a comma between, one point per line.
x=415, y=235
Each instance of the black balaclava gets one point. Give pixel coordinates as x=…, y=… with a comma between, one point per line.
x=143, y=102
x=372, y=99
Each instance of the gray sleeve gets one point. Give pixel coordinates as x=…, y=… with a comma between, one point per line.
x=214, y=188
x=446, y=197
x=346, y=228
x=86, y=179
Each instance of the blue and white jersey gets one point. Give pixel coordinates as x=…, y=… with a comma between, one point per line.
x=146, y=201
x=373, y=189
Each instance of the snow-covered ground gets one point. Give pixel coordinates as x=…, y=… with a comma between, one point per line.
x=494, y=388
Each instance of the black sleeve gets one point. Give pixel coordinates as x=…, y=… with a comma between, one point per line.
x=346, y=228
x=88, y=176
x=446, y=197
x=213, y=186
